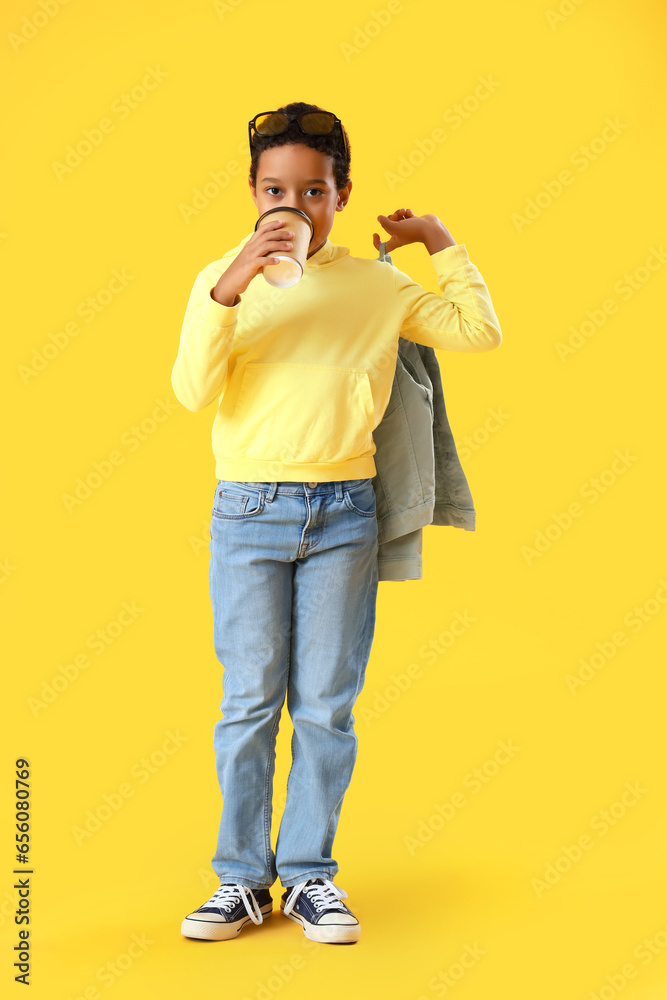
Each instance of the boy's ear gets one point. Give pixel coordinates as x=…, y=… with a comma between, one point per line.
x=343, y=196
x=253, y=190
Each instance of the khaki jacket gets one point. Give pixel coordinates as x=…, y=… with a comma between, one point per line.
x=419, y=477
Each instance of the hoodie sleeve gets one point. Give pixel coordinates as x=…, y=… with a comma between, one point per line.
x=461, y=318
x=200, y=369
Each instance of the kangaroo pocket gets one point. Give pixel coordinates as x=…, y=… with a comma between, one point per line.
x=303, y=413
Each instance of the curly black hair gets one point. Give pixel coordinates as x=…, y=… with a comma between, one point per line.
x=331, y=144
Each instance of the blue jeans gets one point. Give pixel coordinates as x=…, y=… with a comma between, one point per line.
x=293, y=578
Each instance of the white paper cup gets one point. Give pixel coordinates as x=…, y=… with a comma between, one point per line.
x=290, y=269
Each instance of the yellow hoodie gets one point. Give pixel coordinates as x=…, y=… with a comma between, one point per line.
x=303, y=375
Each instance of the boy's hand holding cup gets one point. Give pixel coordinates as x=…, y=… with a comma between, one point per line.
x=280, y=242
x=291, y=262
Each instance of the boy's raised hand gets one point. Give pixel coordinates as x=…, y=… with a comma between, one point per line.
x=405, y=227
x=271, y=237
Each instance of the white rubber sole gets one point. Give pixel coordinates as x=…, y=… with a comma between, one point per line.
x=325, y=933
x=218, y=930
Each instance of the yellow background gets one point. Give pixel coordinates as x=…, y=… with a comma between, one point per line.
x=393, y=73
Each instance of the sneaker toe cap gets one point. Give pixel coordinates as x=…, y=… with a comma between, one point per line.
x=337, y=918
x=208, y=916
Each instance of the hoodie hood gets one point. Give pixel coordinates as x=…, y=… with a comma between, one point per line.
x=327, y=254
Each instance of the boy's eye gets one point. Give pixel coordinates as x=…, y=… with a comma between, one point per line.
x=274, y=188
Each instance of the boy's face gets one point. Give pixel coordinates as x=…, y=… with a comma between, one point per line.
x=300, y=177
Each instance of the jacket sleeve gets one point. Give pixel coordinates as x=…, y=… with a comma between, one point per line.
x=461, y=317
x=200, y=369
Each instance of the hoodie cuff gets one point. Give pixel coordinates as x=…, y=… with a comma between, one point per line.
x=216, y=314
x=449, y=258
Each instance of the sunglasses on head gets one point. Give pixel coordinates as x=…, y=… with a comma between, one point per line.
x=310, y=123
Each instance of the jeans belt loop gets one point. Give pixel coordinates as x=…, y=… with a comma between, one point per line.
x=271, y=492
x=339, y=490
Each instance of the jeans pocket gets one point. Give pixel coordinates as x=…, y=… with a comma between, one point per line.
x=361, y=499
x=234, y=500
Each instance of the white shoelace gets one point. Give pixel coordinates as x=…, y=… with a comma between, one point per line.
x=228, y=895
x=325, y=896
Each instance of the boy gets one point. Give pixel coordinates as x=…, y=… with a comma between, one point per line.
x=302, y=376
